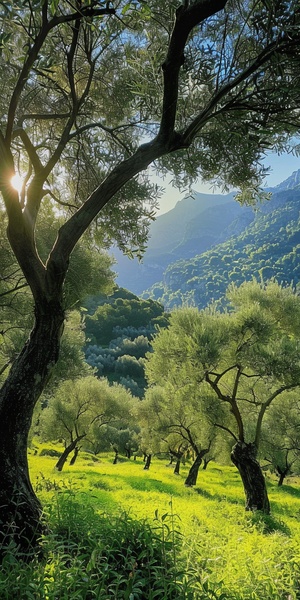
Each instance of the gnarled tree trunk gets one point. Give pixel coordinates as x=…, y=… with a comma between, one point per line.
x=20, y=510
x=282, y=474
x=244, y=457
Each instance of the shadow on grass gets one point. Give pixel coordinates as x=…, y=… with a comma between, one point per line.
x=219, y=497
x=135, y=482
x=288, y=489
x=151, y=485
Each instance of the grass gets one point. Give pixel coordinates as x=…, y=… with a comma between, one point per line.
x=120, y=532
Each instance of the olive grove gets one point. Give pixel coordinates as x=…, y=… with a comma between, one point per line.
x=93, y=93
x=235, y=366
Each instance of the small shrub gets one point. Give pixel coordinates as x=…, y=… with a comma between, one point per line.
x=50, y=452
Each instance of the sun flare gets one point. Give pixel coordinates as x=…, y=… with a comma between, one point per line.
x=16, y=182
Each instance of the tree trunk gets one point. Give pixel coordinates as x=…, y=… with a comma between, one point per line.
x=74, y=457
x=128, y=452
x=148, y=462
x=178, y=455
x=72, y=446
x=177, y=466
x=206, y=462
x=20, y=510
x=193, y=472
x=244, y=457
x=282, y=473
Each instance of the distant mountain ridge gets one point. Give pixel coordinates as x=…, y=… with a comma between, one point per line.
x=197, y=225
x=190, y=228
x=268, y=247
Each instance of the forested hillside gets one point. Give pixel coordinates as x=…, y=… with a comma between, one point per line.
x=268, y=247
x=119, y=329
x=194, y=225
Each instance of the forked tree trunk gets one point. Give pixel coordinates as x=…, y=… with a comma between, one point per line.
x=20, y=510
x=178, y=456
x=282, y=474
x=72, y=446
x=244, y=457
x=128, y=452
x=206, y=462
x=177, y=466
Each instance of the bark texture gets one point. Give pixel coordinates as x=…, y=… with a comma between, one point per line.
x=20, y=510
x=244, y=457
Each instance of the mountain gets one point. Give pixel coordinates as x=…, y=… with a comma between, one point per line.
x=195, y=224
x=206, y=241
x=268, y=246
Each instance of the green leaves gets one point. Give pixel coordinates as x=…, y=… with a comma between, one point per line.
x=53, y=6
x=4, y=39
x=234, y=364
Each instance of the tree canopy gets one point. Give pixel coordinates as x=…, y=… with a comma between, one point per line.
x=236, y=364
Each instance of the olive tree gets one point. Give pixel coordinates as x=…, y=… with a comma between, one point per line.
x=280, y=443
x=246, y=359
x=178, y=417
x=80, y=409
x=94, y=93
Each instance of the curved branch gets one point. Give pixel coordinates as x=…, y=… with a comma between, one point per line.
x=99, y=125
x=226, y=429
x=266, y=405
x=35, y=49
x=29, y=147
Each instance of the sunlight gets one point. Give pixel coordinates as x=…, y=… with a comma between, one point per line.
x=17, y=182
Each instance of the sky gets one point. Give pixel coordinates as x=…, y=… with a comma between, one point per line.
x=281, y=167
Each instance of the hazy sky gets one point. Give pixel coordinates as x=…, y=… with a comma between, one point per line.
x=281, y=167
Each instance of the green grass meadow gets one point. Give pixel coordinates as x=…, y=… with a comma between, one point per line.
x=117, y=531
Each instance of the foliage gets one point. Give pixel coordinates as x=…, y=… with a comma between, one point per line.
x=115, y=315
x=174, y=421
x=267, y=248
x=88, y=554
x=83, y=89
x=119, y=334
x=81, y=410
x=219, y=550
x=89, y=272
x=235, y=364
x=280, y=439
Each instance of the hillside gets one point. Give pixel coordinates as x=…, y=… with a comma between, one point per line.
x=194, y=225
x=268, y=246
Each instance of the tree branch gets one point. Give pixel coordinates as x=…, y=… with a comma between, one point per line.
x=226, y=429
x=192, y=130
x=266, y=405
x=188, y=16
x=35, y=49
